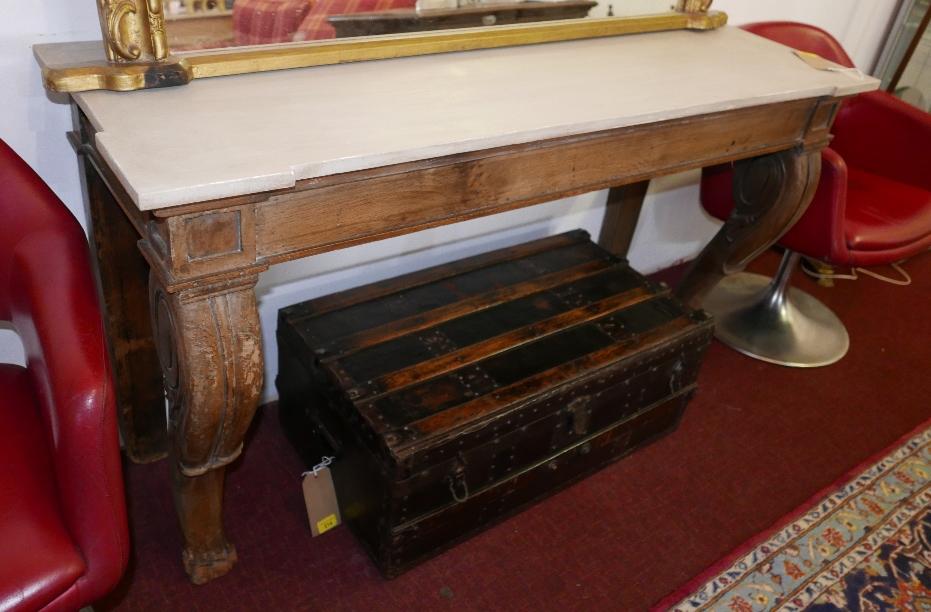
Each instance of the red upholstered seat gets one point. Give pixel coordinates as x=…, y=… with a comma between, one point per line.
x=63, y=534
x=872, y=224
x=873, y=202
x=47, y=561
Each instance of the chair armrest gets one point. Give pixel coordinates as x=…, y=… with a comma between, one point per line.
x=879, y=133
x=48, y=292
x=56, y=314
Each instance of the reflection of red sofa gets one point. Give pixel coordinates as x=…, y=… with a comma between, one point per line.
x=260, y=22
x=315, y=25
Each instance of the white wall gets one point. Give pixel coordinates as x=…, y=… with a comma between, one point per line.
x=672, y=227
x=29, y=122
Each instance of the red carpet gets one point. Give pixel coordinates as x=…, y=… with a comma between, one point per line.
x=756, y=442
x=859, y=544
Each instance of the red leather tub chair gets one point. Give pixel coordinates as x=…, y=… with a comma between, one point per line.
x=63, y=535
x=872, y=206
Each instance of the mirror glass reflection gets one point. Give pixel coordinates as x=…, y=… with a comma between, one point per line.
x=209, y=24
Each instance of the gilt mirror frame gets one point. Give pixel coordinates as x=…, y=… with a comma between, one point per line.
x=136, y=53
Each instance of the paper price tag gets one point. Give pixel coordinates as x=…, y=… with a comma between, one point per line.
x=819, y=63
x=327, y=523
x=320, y=499
x=816, y=61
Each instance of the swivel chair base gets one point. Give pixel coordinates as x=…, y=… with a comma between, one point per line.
x=766, y=319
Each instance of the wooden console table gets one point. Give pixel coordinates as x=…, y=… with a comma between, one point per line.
x=193, y=191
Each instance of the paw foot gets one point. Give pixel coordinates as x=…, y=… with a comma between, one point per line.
x=206, y=565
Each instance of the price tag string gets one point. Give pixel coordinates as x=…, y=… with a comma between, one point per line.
x=325, y=462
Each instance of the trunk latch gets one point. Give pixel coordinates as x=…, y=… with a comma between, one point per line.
x=457, y=481
x=580, y=415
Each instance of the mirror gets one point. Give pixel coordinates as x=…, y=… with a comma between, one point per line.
x=211, y=24
x=164, y=43
x=905, y=64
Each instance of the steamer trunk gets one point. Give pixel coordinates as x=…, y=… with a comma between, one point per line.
x=455, y=396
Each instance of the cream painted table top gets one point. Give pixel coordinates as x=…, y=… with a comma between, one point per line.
x=237, y=135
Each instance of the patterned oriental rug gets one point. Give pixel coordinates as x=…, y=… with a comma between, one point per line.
x=862, y=544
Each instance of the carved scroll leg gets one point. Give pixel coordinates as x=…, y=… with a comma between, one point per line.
x=770, y=193
x=210, y=348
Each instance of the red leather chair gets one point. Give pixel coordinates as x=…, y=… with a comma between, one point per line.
x=872, y=206
x=63, y=535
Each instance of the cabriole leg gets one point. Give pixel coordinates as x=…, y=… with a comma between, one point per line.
x=770, y=193
x=210, y=348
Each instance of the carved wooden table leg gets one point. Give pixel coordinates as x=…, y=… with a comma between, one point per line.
x=139, y=393
x=210, y=347
x=770, y=193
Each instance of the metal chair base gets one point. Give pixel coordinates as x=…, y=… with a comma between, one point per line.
x=766, y=319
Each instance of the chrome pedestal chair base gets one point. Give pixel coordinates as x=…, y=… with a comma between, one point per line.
x=766, y=319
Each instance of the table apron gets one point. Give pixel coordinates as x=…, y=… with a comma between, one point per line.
x=360, y=207
x=209, y=242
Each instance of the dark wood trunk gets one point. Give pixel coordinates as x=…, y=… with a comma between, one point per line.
x=455, y=396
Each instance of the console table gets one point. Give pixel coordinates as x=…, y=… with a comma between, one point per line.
x=193, y=191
